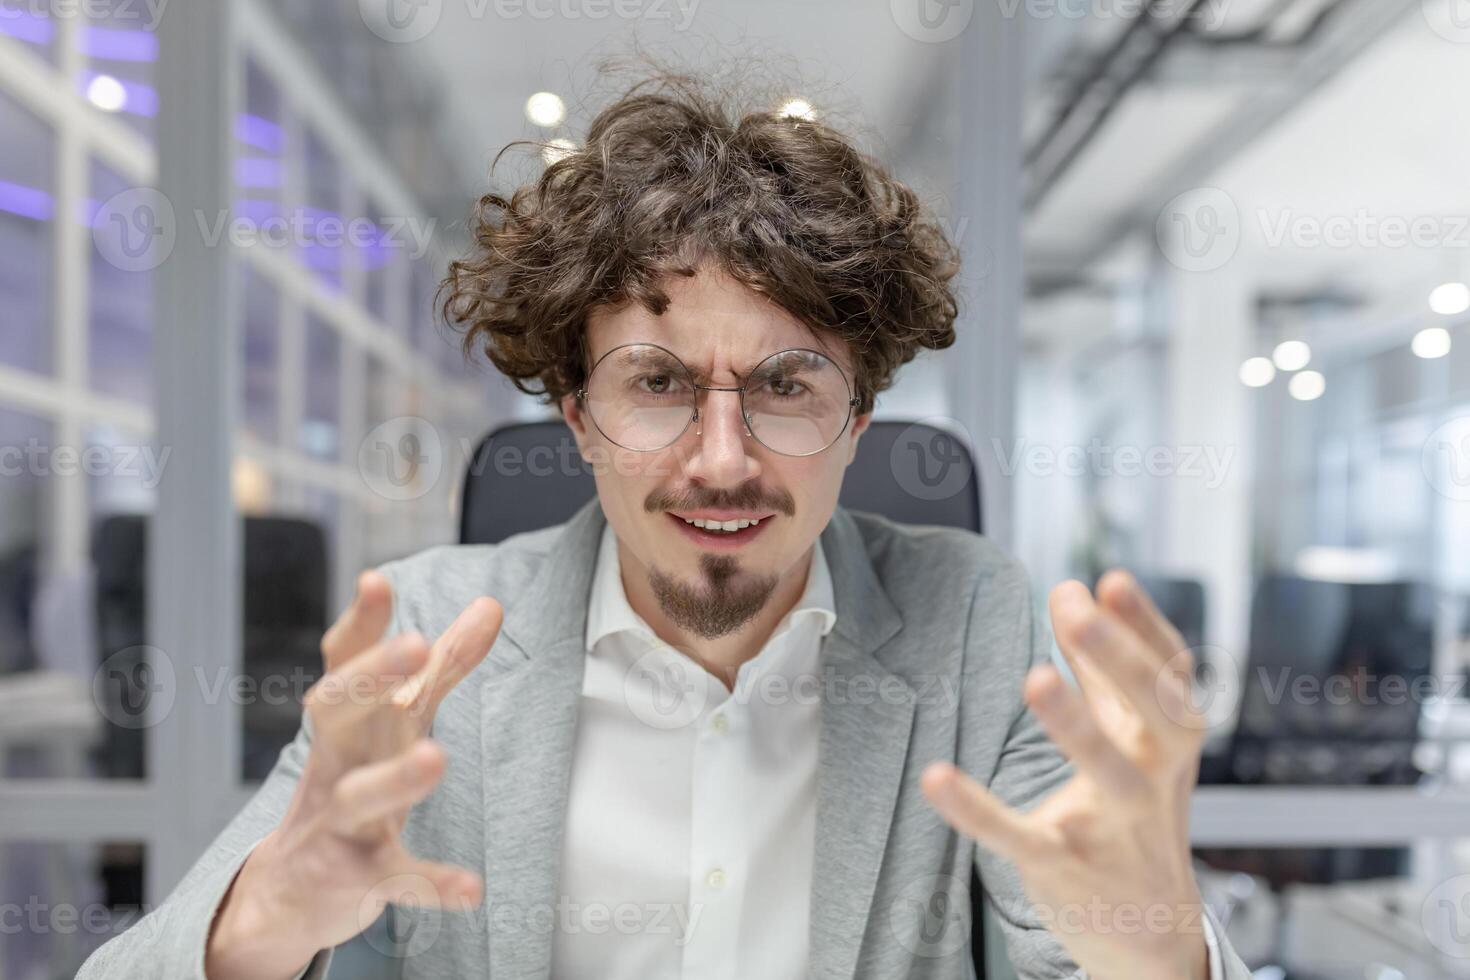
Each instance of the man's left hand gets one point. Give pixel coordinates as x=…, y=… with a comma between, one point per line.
x=1105, y=859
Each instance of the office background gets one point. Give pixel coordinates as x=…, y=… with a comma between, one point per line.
x=1217, y=255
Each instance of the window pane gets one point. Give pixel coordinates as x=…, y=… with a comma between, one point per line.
x=23, y=21
x=27, y=161
x=121, y=348
x=261, y=364
x=320, y=424
x=22, y=517
x=120, y=47
x=260, y=145
x=63, y=901
x=321, y=248
x=129, y=674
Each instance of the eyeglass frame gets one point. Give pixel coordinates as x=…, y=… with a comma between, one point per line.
x=853, y=401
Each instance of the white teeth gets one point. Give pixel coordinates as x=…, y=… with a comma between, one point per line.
x=721, y=526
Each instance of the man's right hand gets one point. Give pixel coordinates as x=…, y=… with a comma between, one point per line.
x=337, y=852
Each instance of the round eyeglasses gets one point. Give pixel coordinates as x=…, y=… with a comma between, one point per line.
x=796, y=402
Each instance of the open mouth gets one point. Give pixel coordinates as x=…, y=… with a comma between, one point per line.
x=721, y=534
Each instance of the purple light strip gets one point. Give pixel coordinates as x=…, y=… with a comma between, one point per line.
x=259, y=132
x=28, y=202
x=139, y=99
x=258, y=172
x=25, y=26
x=111, y=44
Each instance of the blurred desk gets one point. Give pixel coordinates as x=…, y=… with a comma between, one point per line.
x=1343, y=930
x=50, y=711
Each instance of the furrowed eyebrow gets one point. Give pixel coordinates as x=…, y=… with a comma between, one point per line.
x=790, y=360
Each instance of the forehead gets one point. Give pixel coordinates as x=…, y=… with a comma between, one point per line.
x=713, y=323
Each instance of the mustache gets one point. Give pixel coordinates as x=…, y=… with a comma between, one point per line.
x=747, y=496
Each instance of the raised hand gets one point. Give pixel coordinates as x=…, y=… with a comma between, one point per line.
x=337, y=850
x=1105, y=859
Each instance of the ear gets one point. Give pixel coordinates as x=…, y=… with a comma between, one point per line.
x=571, y=410
x=859, y=426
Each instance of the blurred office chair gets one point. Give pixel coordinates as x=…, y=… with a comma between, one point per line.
x=529, y=475
x=284, y=616
x=1181, y=600
x=1348, y=638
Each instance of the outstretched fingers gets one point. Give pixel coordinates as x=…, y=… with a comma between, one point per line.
x=973, y=810
x=362, y=623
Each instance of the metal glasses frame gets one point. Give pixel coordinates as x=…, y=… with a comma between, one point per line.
x=852, y=400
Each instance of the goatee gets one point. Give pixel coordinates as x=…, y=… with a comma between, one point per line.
x=726, y=602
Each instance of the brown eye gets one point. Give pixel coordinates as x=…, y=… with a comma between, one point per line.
x=656, y=384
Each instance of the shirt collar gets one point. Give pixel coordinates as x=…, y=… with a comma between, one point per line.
x=608, y=611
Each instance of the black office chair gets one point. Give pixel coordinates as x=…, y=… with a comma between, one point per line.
x=285, y=614
x=529, y=475
x=1327, y=631
x=1181, y=600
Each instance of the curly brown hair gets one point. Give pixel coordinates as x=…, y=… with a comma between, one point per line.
x=669, y=178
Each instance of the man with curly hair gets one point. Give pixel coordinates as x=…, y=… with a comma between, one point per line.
x=715, y=725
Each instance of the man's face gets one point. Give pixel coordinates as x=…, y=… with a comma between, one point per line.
x=709, y=583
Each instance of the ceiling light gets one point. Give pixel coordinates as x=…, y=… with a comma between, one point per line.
x=797, y=109
x=546, y=109
x=1451, y=299
x=557, y=149
x=1292, y=355
x=1306, y=386
x=107, y=93
x=1257, y=372
x=1431, y=342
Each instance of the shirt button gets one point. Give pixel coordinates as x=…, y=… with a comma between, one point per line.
x=715, y=879
x=720, y=724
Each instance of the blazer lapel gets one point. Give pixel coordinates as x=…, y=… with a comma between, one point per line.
x=529, y=700
x=528, y=718
x=867, y=718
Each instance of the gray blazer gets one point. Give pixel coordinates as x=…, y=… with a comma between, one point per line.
x=935, y=630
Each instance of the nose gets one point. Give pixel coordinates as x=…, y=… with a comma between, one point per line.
x=723, y=446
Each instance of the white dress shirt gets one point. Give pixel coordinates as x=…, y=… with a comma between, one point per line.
x=692, y=809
